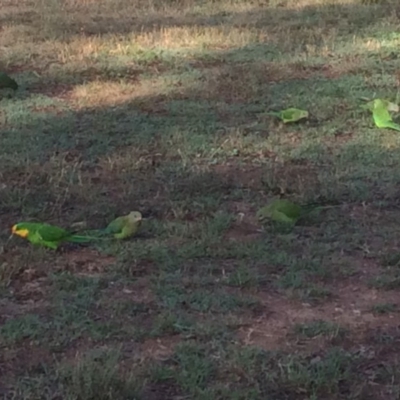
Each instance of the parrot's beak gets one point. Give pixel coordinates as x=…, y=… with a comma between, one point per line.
x=14, y=230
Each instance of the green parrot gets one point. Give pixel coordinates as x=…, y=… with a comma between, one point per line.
x=47, y=235
x=7, y=82
x=290, y=115
x=386, y=103
x=125, y=226
x=282, y=210
x=381, y=115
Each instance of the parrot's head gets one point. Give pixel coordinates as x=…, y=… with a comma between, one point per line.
x=20, y=230
x=135, y=216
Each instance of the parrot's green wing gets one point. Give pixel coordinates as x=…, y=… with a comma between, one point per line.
x=293, y=115
x=115, y=226
x=35, y=238
x=7, y=82
x=125, y=226
x=281, y=210
x=54, y=234
x=50, y=233
x=290, y=209
x=290, y=115
x=275, y=215
x=381, y=115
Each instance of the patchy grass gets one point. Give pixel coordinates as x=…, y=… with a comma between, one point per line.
x=161, y=107
x=384, y=308
x=318, y=328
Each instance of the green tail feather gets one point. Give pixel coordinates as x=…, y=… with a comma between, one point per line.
x=394, y=126
x=309, y=208
x=96, y=233
x=83, y=239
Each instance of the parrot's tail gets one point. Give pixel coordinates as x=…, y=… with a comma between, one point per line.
x=394, y=126
x=310, y=207
x=93, y=233
x=83, y=239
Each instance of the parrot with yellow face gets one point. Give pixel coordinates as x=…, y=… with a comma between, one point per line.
x=47, y=235
x=52, y=236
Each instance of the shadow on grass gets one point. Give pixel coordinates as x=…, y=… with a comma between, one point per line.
x=57, y=158
x=196, y=152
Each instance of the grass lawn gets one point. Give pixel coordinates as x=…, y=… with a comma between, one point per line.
x=160, y=106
